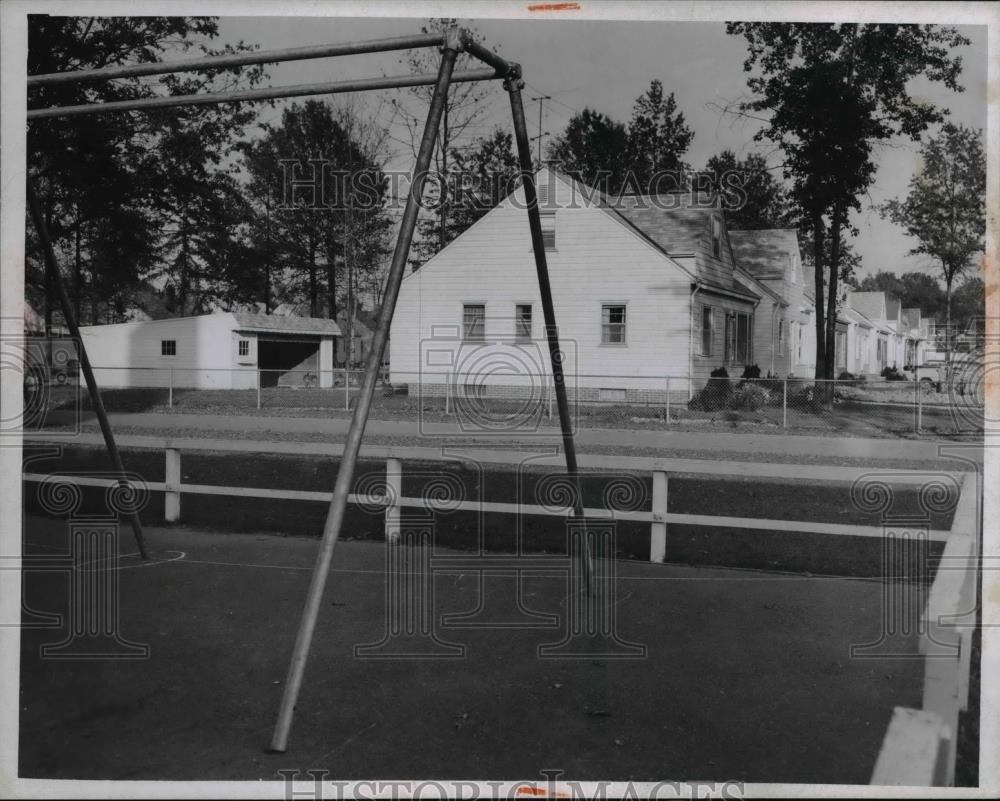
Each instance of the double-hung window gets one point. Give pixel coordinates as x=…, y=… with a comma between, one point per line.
x=612, y=324
x=474, y=322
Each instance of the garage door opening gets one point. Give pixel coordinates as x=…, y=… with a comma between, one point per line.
x=288, y=362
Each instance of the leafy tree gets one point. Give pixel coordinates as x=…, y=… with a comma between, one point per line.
x=307, y=233
x=96, y=175
x=968, y=301
x=914, y=289
x=594, y=149
x=945, y=209
x=657, y=139
x=753, y=197
x=831, y=93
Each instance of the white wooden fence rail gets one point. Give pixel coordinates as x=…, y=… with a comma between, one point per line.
x=919, y=745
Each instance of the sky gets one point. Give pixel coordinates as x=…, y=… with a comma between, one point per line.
x=606, y=65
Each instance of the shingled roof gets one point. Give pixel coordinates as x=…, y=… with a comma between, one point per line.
x=269, y=323
x=870, y=304
x=764, y=253
x=676, y=230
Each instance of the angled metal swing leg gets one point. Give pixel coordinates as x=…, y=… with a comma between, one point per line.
x=345, y=475
x=513, y=85
x=52, y=268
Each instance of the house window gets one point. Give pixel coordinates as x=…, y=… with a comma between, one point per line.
x=548, y=230
x=841, y=351
x=716, y=237
x=799, y=357
x=244, y=347
x=781, y=337
x=612, y=324
x=522, y=321
x=474, y=322
x=612, y=395
x=707, y=330
x=738, y=346
x=168, y=347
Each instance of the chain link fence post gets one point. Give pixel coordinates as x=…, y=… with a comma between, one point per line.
x=784, y=402
x=258, y=388
x=447, y=393
x=920, y=403
x=667, y=410
x=170, y=391
x=552, y=393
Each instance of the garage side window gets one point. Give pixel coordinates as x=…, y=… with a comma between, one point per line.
x=168, y=347
x=244, y=347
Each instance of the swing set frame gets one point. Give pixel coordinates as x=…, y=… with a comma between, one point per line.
x=450, y=43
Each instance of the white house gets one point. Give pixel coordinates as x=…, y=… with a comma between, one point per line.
x=225, y=350
x=773, y=258
x=885, y=348
x=643, y=288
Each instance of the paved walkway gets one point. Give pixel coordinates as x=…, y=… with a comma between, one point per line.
x=723, y=442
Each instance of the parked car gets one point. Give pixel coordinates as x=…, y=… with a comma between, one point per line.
x=930, y=374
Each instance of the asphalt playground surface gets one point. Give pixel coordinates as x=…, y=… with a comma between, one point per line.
x=746, y=675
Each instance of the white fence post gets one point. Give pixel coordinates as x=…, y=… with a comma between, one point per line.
x=658, y=528
x=172, y=480
x=394, y=491
x=170, y=396
x=258, y=388
x=667, y=417
x=784, y=403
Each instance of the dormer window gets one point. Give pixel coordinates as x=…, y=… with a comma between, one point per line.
x=717, y=237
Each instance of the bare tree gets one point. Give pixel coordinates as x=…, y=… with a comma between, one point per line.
x=467, y=106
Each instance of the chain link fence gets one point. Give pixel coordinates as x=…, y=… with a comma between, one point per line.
x=506, y=401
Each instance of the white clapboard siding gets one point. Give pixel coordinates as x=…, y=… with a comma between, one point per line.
x=205, y=348
x=597, y=260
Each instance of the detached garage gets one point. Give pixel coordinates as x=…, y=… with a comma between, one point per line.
x=225, y=350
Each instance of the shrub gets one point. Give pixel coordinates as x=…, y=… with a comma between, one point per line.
x=751, y=371
x=892, y=374
x=716, y=393
x=846, y=376
x=749, y=397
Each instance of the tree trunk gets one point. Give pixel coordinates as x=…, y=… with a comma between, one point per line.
x=947, y=327
x=331, y=288
x=77, y=271
x=818, y=232
x=182, y=284
x=313, y=288
x=831, y=305
x=267, y=253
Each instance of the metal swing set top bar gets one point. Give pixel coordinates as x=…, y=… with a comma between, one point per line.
x=450, y=42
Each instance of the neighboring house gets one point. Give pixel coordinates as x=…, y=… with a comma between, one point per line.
x=857, y=357
x=641, y=292
x=885, y=349
x=915, y=337
x=772, y=257
x=224, y=350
